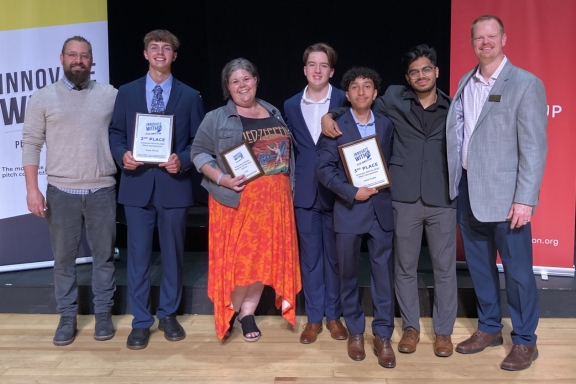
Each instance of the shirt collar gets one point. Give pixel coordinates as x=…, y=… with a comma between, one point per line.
x=309, y=101
x=166, y=85
x=370, y=122
x=441, y=101
x=478, y=77
x=70, y=85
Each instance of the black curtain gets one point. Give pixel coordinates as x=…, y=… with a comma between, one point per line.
x=273, y=35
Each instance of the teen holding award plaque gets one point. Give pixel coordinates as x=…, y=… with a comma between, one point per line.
x=359, y=211
x=252, y=232
x=156, y=186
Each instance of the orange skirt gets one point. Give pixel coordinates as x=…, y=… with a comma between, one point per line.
x=255, y=242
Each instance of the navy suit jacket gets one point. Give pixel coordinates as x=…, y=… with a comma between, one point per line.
x=350, y=215
x=136, y=187
x=306, y=184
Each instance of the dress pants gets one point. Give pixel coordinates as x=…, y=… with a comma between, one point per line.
x=171, y=230
x=381, y=280
x=481, y=241
x=318, y=263
x=66, y=215
x=440, y=225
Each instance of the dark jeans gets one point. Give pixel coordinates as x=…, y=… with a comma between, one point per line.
x=481, y=240
x=65, y=215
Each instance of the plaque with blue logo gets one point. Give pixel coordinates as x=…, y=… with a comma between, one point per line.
x=240, y=160
x=364, y=163
x=153, y=137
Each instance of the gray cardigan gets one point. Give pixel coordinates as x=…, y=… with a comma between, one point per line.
x=220, y=130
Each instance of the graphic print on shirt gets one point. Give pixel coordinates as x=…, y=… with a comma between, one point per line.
x=271, y=146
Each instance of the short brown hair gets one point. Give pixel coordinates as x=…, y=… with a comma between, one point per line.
x=321, y=47
x=484, y=18
x=79, y=39
x=231, y=67
x=161, y=35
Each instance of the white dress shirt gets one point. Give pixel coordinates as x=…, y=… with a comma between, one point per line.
x=474, y=96
x=313, y=112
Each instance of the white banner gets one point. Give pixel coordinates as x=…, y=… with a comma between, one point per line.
x=33, y=63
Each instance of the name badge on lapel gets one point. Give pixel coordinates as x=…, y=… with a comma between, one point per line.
x=495, y=98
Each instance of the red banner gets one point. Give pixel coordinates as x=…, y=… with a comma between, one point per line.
x=540, y=40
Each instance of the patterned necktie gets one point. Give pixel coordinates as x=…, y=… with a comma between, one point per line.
x=157, y=101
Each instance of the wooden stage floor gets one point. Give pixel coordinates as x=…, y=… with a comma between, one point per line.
x=27, y=355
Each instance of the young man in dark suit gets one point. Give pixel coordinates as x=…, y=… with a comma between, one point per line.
x=361, y=211
x=312, y=201
x=156, y=193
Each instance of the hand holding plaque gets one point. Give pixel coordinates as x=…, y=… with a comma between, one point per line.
x=364, y=163
x=240, y=160
x=152, y=137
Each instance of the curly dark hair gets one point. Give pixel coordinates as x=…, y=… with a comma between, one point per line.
x=362, y=72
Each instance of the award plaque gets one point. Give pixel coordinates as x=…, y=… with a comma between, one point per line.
x=364, y=163
x=153, y=137
x=240, y=160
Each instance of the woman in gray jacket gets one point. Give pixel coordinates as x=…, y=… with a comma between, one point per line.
x=252, y=232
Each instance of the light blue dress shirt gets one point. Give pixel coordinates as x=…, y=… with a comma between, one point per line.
x=166, y=86
x=367, y=129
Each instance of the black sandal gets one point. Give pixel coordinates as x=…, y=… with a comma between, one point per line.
x=231, y=328
x=249, y=326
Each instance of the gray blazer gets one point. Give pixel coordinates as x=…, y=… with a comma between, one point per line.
x=220, y=130
x=507, y=150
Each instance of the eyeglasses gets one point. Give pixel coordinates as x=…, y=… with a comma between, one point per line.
x=415, y=73
x=74, y=55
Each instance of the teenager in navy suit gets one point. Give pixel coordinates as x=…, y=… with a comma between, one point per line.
x=156, y=194
x=358, y=212
x=312, y=201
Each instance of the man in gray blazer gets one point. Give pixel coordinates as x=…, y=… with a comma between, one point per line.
x=496, y=142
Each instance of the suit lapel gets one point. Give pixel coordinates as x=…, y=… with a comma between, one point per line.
x=175, y=93
x=141, y=104
x=497, y=89
x=350, y=126
x=335, y=99
x=301, y=123
x=463, y=83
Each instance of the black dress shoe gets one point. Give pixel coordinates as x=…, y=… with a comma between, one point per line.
x=138, y=338
x=172, y=329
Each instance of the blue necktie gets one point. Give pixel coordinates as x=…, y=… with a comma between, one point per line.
x=157, y=101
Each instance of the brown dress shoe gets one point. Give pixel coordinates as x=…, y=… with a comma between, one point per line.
x=337, y=330
x=310, y=333
x=479, y=341
x=383, y=349
x=356, y=347
x=410, y=337
x=443, y=346
x=520, y=357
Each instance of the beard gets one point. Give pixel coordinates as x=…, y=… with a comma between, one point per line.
x=424, y=89
x=77, y=77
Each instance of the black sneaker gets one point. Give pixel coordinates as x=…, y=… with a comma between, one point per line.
x=66, y=331
x=104, y=329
